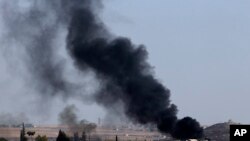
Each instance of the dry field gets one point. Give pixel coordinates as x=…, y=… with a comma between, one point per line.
x=102, y=133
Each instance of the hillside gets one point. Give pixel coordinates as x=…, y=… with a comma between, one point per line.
x=219, y=131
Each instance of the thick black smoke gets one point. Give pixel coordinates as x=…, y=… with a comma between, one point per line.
x=121, y=66
x=186, y=127
x=128, y=75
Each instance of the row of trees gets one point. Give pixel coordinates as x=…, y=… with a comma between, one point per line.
x=83, y=126
x=61, y=137
x=38, y=138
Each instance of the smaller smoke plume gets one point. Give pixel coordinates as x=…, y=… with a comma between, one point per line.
x=69, y=117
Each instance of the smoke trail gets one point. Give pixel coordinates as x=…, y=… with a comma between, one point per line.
x=121, y=66
x=35, y=27
x=36, y=30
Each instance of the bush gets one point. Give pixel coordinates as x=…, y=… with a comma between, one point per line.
x=3, y=139
x=41, y=138
x=62, y=136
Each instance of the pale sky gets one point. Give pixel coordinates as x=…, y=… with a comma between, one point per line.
x=200, y=50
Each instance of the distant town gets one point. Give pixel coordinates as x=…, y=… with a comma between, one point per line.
x=98, y=132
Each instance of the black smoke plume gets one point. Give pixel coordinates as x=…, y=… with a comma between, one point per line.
x=128, y=74
x=121, y=66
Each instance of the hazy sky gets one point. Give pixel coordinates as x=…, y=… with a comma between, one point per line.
x=200, y=50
